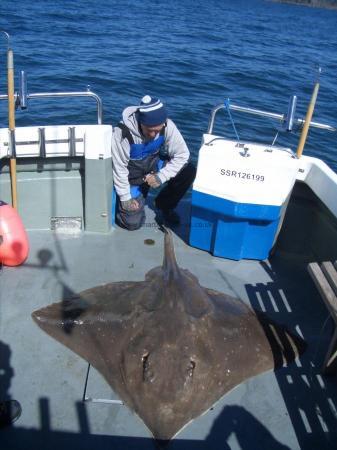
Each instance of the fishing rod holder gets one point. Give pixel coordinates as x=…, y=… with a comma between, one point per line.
x=288, y=120
x=22, y=97
x=290, y=117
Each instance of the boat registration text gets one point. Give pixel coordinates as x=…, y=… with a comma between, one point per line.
x=242, y=175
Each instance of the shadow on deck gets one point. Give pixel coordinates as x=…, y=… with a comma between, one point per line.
x=249, y=433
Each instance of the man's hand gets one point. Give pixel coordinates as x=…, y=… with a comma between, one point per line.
x=152, y=180
x=130, y=205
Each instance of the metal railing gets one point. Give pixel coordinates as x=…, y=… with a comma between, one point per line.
x=22, y=97
x=257, y=112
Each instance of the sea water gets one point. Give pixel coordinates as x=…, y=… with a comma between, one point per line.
x=193, y=54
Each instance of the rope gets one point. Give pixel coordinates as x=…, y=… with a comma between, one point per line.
x=276, y=136
x=227, y=106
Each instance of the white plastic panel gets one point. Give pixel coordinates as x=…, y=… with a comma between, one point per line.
x=93, y=141
x=264, y=177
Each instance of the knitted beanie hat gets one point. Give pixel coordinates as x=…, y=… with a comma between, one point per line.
x=151, y=111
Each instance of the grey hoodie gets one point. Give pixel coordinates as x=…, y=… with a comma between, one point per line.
x=174, y=143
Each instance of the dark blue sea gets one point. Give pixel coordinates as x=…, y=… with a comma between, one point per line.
x=193, y=54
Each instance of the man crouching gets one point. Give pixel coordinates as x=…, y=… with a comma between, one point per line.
x=148, y=151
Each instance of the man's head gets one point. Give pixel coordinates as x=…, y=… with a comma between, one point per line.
x=152, y=116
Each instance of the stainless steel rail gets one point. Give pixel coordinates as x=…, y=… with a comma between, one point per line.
x=87, y=93
x=258, y=112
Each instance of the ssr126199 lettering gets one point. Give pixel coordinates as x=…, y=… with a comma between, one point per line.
x=242, y=175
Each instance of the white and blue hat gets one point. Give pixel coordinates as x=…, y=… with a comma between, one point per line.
x=151, y=111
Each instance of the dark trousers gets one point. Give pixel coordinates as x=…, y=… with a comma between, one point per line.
x=168, y=198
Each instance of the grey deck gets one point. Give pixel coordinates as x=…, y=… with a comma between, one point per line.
x=292, y=408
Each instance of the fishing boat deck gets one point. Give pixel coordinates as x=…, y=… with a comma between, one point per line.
x=291, y=408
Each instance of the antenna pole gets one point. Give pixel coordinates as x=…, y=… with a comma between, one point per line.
x=308, y=117
x=11, y=125
x=11, y=120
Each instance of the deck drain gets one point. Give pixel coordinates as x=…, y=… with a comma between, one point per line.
x=71, y=225
x=149, y=241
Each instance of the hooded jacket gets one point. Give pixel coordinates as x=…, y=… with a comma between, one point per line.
x=175, y=146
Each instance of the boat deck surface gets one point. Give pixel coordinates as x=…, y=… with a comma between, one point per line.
x=292, y=408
